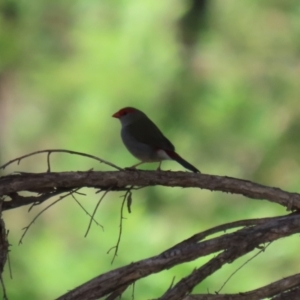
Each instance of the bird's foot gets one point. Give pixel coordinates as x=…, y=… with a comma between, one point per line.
x=161, y=170
x=158, y=168
x=133, y=168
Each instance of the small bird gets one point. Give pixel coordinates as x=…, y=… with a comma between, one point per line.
x=145, y=141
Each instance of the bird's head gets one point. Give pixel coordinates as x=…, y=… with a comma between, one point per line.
x=128, y=115
x=124, y=112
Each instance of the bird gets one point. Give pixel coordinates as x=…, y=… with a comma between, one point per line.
x=145, y=141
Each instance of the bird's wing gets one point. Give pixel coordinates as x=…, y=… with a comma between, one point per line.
x=148, y=133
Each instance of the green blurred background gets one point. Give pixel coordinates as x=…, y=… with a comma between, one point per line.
x=221, y=78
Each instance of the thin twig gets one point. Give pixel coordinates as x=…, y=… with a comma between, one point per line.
x=94, y=212
x=3, y=288
x=49, y=151
x=117, y=293
x=133, y=288
x=79, y=193
x=8, y=259
x=172, y=283
x=116, y=247
x=129, y=200
x=43, y=210
x=72, y=195
x=48, y=162
x=240, y=267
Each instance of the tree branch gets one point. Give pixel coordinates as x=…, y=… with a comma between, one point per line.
x=233, y=246
x=261, y=293
x=120, y=180
x=248, y=234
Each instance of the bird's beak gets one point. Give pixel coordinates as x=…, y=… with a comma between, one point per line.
x=116, y=115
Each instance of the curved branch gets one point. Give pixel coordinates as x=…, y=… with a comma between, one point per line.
x=288, y=295
x=50, y=151
x=233, y=245
x=229, y=246
x=119, y=180
x=261, y=293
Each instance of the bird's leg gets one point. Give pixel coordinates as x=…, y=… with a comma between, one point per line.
x=158, y=168
x=134, y=166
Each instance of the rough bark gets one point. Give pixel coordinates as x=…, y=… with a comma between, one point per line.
x=247, y=236
x=48, y=183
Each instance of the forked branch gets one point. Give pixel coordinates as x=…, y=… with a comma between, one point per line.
x=121, y=180
x=248, y=234
x=232, y=245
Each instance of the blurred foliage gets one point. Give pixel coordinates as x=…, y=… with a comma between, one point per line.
x=226, y=95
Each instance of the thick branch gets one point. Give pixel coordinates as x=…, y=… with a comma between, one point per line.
x=233, y=245
x=292, y=294
x=261, y=293
x=118, y=180
x=3, y=243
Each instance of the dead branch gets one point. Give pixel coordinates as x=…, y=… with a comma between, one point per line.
x=82, y=207
x=232, y=245
x=261, y=293
x=94, y=212
x=247, y=235
x=41, y=212
x=121, y=180
x=50, y=151
x=288, y=295
x=18, y=201
x=116, y=247
x=3, y=251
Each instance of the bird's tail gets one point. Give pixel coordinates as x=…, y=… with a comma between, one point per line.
x=181, y=161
